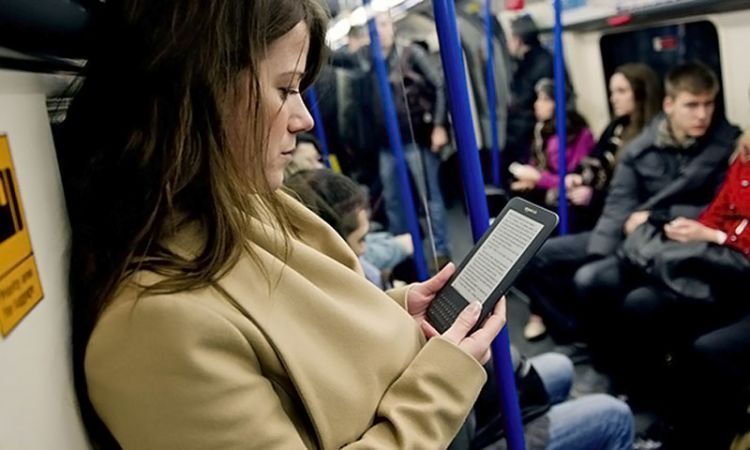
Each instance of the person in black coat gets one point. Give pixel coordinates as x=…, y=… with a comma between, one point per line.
x=673, y=168
x=533, y=62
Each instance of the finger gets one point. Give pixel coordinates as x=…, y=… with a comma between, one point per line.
x=492, y=326
x=464, y=323
x=428, y=330
x=486, y=357
x=436, y=283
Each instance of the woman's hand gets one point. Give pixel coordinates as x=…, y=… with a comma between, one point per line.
x=477, y=344
x=522, y=185
x=689, y=230
x=438, y=138
x=573, y=180
x=634, y=221
x=525, y=172
x=421, y=294
x=580, y=195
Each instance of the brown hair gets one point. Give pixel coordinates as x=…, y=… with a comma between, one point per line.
x=647, y=96
x=144, y=148
x=694, y=77
x=334, y=197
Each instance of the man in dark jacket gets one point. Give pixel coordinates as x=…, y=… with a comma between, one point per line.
x=533, y=62
x=672, y=169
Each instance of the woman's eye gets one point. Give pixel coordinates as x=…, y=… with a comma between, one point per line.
x=286, y=92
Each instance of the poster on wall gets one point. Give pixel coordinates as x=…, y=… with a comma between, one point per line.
x=20, y=286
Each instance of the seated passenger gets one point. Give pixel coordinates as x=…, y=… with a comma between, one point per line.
x=635, y=96
x=552, y=421
x=343, y=205
x=539, y=180
x=672, y=168
x=306, y=155
x=689, y=270
x=210, y=309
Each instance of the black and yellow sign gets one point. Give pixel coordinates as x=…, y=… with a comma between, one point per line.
x=20, y=287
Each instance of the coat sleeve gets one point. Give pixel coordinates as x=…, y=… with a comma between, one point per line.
x=164, y=375
x=435, y=78
x=578, y=149
x=622, y=200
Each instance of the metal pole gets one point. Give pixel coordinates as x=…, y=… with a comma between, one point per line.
x=491, y=94
x=560, y=119
x=394, y=138
x=471, y=174
x=320, y=132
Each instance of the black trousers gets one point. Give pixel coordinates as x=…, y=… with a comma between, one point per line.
x=548, y=282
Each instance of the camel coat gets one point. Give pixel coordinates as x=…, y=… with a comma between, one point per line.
x=317, y=357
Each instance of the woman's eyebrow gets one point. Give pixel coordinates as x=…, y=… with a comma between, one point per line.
x=291, y=73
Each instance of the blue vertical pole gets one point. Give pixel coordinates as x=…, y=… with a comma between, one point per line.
x=320, y=132
x=471, y=174
x=491, y=94
x=394, y=138
x=560, y=118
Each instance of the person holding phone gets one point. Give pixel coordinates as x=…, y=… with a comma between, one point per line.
x=211, y=310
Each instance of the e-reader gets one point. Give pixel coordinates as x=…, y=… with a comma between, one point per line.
x=489, y=270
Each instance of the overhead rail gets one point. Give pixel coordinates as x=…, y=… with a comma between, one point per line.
x=471, y=175
x=651, y=13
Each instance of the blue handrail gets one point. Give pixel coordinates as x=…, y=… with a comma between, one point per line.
x=471, y=174
x=561, y=119
x=320, y=132
x=492, y=95
x=394, y=138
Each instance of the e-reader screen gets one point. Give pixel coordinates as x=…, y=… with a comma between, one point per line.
x=494, y=259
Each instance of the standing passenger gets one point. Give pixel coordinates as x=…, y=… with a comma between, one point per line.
x=533, y=62
x=211, y=310
x=421, y=107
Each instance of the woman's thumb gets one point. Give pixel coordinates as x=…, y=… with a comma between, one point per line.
x=464, y=323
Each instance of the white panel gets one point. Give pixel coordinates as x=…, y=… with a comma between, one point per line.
x=37, y=402
x=583, y=58
x=734, y=29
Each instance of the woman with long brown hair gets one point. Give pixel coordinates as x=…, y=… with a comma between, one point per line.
x=636, y=98
x=210, y=310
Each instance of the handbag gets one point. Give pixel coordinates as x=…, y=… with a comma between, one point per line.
x=684, y=268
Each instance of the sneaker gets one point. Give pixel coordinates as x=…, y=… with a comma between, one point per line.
x=642, y=443
x=534, y=329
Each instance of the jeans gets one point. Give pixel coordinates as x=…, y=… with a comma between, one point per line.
x=596, y=421
x=428, y=186
x=383, y=250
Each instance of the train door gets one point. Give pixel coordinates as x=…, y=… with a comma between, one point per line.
x=663, y=47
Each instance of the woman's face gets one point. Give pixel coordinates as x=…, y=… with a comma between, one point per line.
x=621, y=95
x=356, y=239
x=280, y=74
x=544, y=107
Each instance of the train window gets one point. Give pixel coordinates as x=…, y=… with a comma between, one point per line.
x=663, y=47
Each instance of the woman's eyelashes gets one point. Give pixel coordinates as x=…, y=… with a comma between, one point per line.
x=285, y=92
